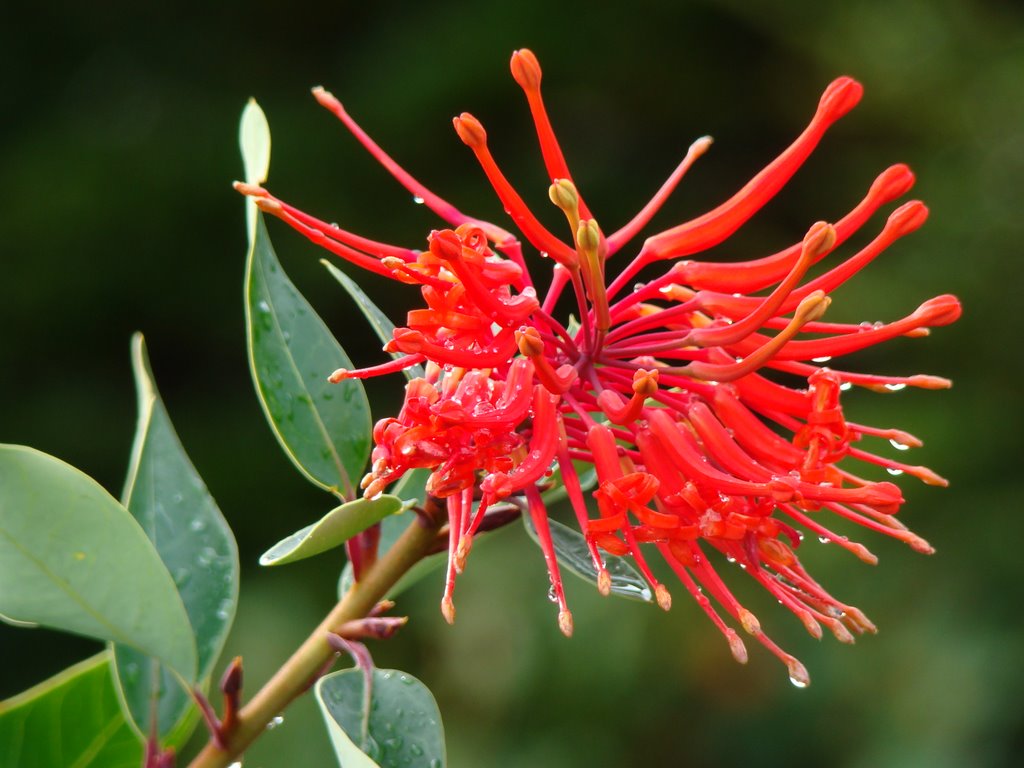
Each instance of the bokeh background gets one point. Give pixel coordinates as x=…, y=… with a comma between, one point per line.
x=117, y=148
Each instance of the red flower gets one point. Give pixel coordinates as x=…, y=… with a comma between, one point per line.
x=670, y=389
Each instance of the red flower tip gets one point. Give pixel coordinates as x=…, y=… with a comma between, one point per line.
x=406, y=341
x=526, y=69
x=529, y=342
x=445, y=244
x=840, y=97
x=942, y=310
x=895, y=181
x=338, y=376
x=470, y=131
x=907, y=218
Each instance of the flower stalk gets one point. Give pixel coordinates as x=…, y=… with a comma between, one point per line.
x=316, y=654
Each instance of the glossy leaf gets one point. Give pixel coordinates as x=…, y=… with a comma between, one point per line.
x=72, y=558
x=324, y=428
x=397, y=725
x=165, y=494
x=573, y=554
x=72, y=719
x=332, y=530
x=380, y=323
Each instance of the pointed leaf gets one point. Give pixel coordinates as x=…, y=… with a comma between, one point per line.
x=380, y=323
x=72, y=558
x=324, y=428
x=332, y=530
x=165, y=494
x=572, y=553
x=254, y=141
x=398, y=724
x=72, y=719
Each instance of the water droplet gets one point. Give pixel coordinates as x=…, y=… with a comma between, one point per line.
x=197, y=525
x=895, y=387
x=206, y=556
x=552, y=595
x=822, y=359
x=176, y=498
x=417, y=199
x=263, y=306
x=236, y=764
x=730, y=558
x=894, y=472
x=845, y=386
x=416, y=749
x=435, y=763
x=405, y=680
x=224, y=610
x=276, y=721
x=394, y=743
x=824, y=539
x=898, y=445
x=799, y=682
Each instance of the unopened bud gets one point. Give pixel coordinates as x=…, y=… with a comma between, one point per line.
x=942, y=310
x=470, y=131
x=840, y=97
x=798, y=675
x=662, y=596
x=445, y=244
x=588, y=236
x=326, y=98
x=749, y=621
x=448, y=609
x=812, y=307
x=736, y=646
x=820, y=239
x=565, y=623
x=907, y=218
x=564, y=195
x=895, y=181
x=604, y=582
x=526, y=69
x=338, y=376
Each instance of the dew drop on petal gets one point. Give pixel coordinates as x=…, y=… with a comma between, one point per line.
x=822, y=359
x=417, y=199
x=895, y=387
x=899, y=446
x=894, y=472
x=275, y=721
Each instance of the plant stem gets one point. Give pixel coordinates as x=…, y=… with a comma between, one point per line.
x=305, y=665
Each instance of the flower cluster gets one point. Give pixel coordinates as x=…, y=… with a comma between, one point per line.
x=673, y=389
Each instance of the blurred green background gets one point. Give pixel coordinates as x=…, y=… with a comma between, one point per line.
x=117, y=149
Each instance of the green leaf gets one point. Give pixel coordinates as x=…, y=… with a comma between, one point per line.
x=398, y=724
x=324, y=428
x=254, y=141
x=380, y=323
x=573, y=554
x=72, y=558
x=72, y=720
x=332, y=530
x=165, y=494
